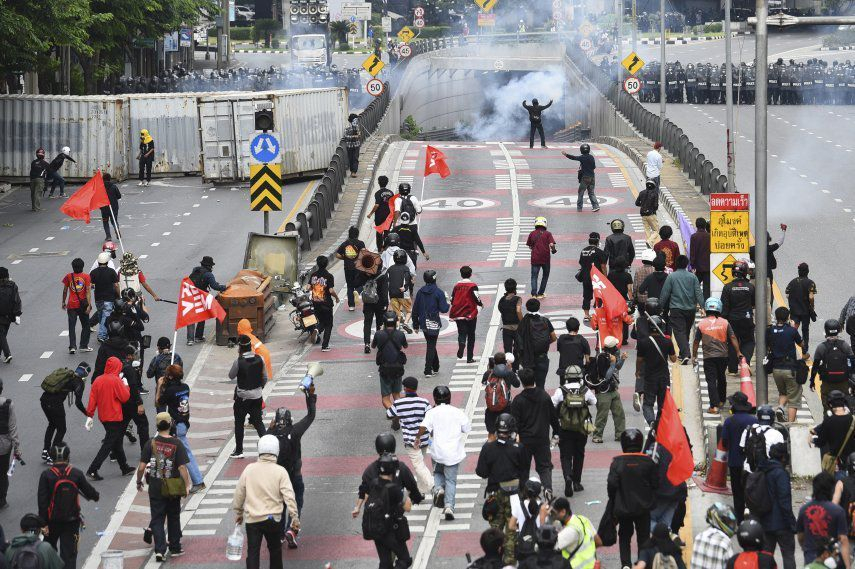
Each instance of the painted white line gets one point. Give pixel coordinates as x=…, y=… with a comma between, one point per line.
x=51, y=238
x=196, y=205
x=155, y=244
x=191, y=532
x=167, y=233
x=515, y=207
x=211, y=511
x=63, y=333
x=45, y=355
x=204, y=521
x=177, y=223
x=26, y=377
x=34, y=249
x=143, y=257
x=16, y=261
x=186, y=213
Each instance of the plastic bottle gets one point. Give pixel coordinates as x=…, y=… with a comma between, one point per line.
x=234, y=545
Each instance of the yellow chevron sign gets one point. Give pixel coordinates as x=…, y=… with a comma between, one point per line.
x=486, y=5
x=265, y=187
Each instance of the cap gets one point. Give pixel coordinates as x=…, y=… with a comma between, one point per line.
x=411, y=383
x=163, y=417
x=610, y=342
x=207, y=261
x=593, y=235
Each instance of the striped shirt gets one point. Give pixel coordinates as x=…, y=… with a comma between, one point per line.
x=411, y=410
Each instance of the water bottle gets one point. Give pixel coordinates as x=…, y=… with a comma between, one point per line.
x=234, y=545
x=11, y=470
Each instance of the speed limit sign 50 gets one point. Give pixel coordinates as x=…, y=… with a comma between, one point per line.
x=632, y=85
x=375, y=87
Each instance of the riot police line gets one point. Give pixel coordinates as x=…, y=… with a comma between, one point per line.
x=814, y=82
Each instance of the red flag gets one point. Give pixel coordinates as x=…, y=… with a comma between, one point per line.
x=612, y=302
x=672, y=436
x=92, y=195
x=435, y=163
x=387, y=223
x=196, y=305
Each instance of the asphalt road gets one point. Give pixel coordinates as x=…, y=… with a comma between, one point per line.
x=170, y=226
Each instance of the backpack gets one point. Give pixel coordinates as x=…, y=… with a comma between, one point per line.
x=598, y=367
x=370, y=294
x=835, y=362
x=286, y=449
x=757, y=497
x=573, y=412
x=27, y=557
x=540, y=336
x=527, y=534
x=56, y=381
x=408, y=207
x=65, y=501
x=7, y=301
x=663, y=561
x=850, y=325
x=196, y=277
x=497, y=393
x=376, y=519
x=383, y=358
x=755, y=447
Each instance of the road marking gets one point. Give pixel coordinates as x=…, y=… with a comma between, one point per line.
x=196, y=205
x=16, y=261
x=155, y=244
x=177, y=223
x=51, y=238
x=511, y=257
x=34, y=249
x=186, y=213
x=143, y=257
x=167, y=233
x=45, y=355
x=296, y=207
x=26, y=377
x=63, y=333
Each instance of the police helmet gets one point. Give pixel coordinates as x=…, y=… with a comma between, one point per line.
x=750, y=535
x=832, y=327
x=585, y=149
x=441, y=394
x=384, y=442
x=631, y=440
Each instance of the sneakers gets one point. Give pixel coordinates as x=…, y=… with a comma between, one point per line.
x=439, y=498
x=460, y=352
x=93, y=475
x=197, y=487
x=236, y=454
x=780, y=414
x=577, y=487
x=46, y=457
x=8, y=359
x=428, y=374
x=407, y=328
x=685, y=361
x=147, y=535
x=350, y=309
x=313, y=336
x=72, y=351
x=326, y=349
x=176, y=552
x=159, y=557
x=86, y=349
x=189, y=342
x=636, y=401
x=143, y=391
x=470, y=361
x=140, y=184
x=547, y=495
x=367, y=349
x=448, y=512
x=128, y=470
x=291, y=539
x=596, y=209
x=597, y=439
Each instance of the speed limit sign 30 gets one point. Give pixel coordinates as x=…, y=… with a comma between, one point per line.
x=632, y=85
x=375, y=87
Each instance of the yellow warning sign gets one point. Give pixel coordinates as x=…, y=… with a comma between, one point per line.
x=486, y=5
x=723, y=272
x=633, y=63
x=729, y=232
x=373, y=65
x=265, y=187
x=406, y=34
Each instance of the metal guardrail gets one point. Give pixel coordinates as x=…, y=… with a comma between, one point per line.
x=696, y=166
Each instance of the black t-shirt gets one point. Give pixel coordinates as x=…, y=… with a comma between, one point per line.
x=103, y=279
x=175, y=396
x=798, y=296
x=621, y=280
x=655, y=365
x=350, y=250
x=653, y=283
x=591, y=255
x=572, y=349
x=771, y=261
x=508, y=309
x=320, y=284
x=164, y=455
x=381, y=200
x=399, y=278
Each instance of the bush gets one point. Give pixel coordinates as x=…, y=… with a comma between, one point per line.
x=239, y=34
x=714, y=28
x=265, y=29
x=343, y=46
x=410, y=130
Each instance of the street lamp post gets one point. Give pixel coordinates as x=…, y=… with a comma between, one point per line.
x=731, y=142
x=662, y=84
x=761, y=302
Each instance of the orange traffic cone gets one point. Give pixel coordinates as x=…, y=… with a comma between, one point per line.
x=716, y=481
x=745, y=384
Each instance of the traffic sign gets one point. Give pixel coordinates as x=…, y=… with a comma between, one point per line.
x=632, y=85
x=633, y=63
x=486, y=20
x=406, y=34
x=498, y=65
x=265, y=187
x=375, y=87
x=419, y=23
x=352, y=19
x=373, y=65
x=264, y=148
x=405, y=51
x=486, y=5
x=419, y=12
x=386, y=22
x=722, y=270
x=586, y=29
x=729, y=231
x=586, y=45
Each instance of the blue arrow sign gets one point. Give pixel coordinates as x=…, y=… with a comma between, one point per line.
x=264, y=148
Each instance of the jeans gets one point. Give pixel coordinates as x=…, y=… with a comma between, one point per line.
x=373, y=320
x=196, y=332
x=654, y=392
x=73, y=317
x=538, y=128
x=390, y=547
x=164, y=510
x=145, y=168
x=541, y=368
x=586, y=185
x=804, y=321
x=466, y=337
x=113, y=220
x=445, y=476
x=269, y=530
x=325, y=322
x=192, y=465
x=539, y=450
x=4, y=343
x=640, y=525
x=662, y=513
x=715, y=370
x=423, y=478
x=105, y=308
x=786, y=541
x=242, y=408
x=587, y=294
x=56, y=427
x=299, y=491
x=431, y=356
x=681, y=324
x=535, y=271
x=350, y=279
x=114, y=433
x=572, y=447
x=609, y=402
x=743, y=329
x=56, y=179
x=353, y=159
x=64, y=537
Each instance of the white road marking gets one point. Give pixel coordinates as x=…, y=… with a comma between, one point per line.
x=167, y=233
x=51, y=238
x=63, y=333
x=143, y=257
x=515, y=207
x=155, y=244
x=34, y=249
x=196, y=205
x=26, y=377
x=16, y=261
x=177, y=223
x=45, y=355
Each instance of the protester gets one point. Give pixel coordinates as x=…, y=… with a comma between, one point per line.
x=10, y=311
x=648, y=201
x=651, y=367
x=385, y=443
x=57, y=387
x=577, y=540
x=244, y=328
x=391, y=359
x=572, y=402
x=653, y=164
x=715, y=333
x=380, y=211
x=30, y=541
x=353, y=142
x=348, y=251
x=535, y=414
x=542, y=245
x=77, y=303
x=322, y=290
x=53, y=171
x=202, y=277
x=498, y=381
x=38, y=173
x=249, y=372
x=660, y=550
x=409, y=204
x=731, y=433
x=465, y=302
x=164, y=358
x=535, y=116
x=510, y=307
x=737, y=299
x=591, y=256
x=400, y=282
x=835, y=433
x=430, y=303
x=779, y=524
x=110, y=213
x=410, y=412
x=605, y=381
x=801, y=294
x=751, y=540
x=619, y=245
x=832, y=362
x=782, y=339
x=106, y=396
x=821, y=519
x=699, y=254
x=534, y=336
x=648, y=256
x=586, y=177
x=667, y=247
x=682, y=294
x=174, y=395
x=145, y=157
x=388, y=527
x=712, y=547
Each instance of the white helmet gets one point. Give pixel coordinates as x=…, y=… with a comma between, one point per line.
x=66, y=150
x=104, y=257
x=610, y=342
x=648, y=255
x=268, y=444
x=540, y=221
x=509, y=358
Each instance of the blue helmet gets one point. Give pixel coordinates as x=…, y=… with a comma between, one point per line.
x=713, y=305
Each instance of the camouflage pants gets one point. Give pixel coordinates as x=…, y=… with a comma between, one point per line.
x=500, y=521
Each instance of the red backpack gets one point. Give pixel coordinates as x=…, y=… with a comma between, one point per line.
x=497, y=393
x=65, y=501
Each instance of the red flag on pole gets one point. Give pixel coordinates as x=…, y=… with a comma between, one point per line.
x=435, y=163
x=196, y=305
x=671, y=435
x=612, y=301
x=93, y=195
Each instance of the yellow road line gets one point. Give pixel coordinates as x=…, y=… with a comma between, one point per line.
x=293, y=212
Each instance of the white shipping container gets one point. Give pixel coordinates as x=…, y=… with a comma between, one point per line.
x=95, y=128
x=173, y=121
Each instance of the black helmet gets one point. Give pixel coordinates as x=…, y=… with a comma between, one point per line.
x=850, y=464
x=836, y=398
x=765, y=415
x=505, y=423
x=388, y=463
x=535, y=102
x=631, y=440
x=652, y=307
x=400, y=257
x=832, y=327
x=404, y=189
x=546, y=537
x=533, y=487
x=740, y=269
x=129, y=295
x=585, y=148
x=617, y=225
x=390, y=318
x=393, y=240
x=282, y=417
x=430, y=276
x=656, y=324
x=750, y=535
x=384, y=442
x=60, y=452
x=441, y=394
x=115, y=328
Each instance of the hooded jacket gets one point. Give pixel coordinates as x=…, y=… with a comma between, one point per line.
x=535, y=413
x=258, y=347
x=112, y=347
x=108, y=392
x=430, y=301
x=781, y=517
x=262, y=489
x=50, y=558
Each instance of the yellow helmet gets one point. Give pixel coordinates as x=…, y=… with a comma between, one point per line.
x=540, y=221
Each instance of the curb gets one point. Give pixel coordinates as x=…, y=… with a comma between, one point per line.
x=687, y=40
x=840, y=48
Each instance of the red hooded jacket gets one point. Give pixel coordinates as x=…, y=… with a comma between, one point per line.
x=108, y=392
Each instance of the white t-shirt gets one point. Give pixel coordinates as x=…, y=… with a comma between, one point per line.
x=517, y=506
x=772, y=436
x=654, y=164
x=448, y=426
x=416, y=204
x=558, y=396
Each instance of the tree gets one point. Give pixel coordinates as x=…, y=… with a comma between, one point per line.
x=339, y=30
x=265, y=28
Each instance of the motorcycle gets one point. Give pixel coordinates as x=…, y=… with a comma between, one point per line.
x=303, y=315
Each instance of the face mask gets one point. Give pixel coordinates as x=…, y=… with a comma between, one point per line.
x=830, y=562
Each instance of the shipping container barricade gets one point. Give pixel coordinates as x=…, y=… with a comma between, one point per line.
x=249, y=295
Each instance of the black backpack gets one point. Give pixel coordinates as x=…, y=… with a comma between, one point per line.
x=376, y=520
x=850, y=325
x=286, y=448
x=65, y=501
x=27, y=557
x=528, y=534
x=540, y=336
x=835, y=362
x=197, y=277
x=755, y=447
x=7, y=301
x=408, y=207
x=757, y=497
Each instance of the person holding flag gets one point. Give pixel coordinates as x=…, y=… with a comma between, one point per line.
x=202, y=278
x=383, y=211
x=196, y=305
x=610, y=309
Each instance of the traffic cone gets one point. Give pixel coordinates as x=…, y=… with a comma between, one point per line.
x=746, y=386
x=716, y=481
